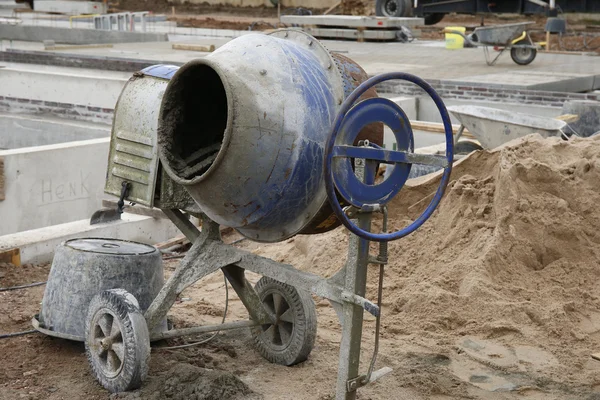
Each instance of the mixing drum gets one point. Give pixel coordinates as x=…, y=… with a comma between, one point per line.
x=243, y=129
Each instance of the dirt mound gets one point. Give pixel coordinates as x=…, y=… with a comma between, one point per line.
x=187, y=382
x=511, y=256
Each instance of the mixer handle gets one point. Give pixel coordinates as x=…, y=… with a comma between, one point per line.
x=365, y=195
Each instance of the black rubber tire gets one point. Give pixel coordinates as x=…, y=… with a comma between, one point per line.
x=133, y=340
x=466, y=147
x=301, y=339
x=523, y=56
x=393, y=8
x=432, y=19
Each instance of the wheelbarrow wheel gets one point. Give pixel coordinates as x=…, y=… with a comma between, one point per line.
x=523, y=55
x=117, y=342
x=290, y=339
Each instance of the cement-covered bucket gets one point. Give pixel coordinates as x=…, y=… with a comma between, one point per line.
x=244, y=129
x=82, y=268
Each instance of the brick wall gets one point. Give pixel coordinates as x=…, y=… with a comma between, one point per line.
x=462, y=91
x=61, y=110
x=78, y=60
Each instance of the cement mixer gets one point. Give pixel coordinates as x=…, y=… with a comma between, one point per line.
x=274, y=136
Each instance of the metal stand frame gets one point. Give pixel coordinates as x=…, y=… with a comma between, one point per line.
x=345, y=290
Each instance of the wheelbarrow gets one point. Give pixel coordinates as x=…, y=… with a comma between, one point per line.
x=513, y=37
x=493, y=127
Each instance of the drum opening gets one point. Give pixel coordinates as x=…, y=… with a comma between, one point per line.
x=193, y=121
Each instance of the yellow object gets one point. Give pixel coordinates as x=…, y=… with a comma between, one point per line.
x=72, y=17
x=454, y=41
x=523, y=36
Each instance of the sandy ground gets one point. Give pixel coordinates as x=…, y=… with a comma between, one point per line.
x=495, y=297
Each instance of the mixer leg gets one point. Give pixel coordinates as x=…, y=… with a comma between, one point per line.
x=352, y=317
x=236, y=277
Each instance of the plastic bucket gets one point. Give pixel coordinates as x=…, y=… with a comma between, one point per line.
x=454, y=41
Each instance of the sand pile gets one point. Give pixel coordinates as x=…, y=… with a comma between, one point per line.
x=512, y=255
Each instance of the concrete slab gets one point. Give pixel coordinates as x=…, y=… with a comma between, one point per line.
x=75, y=86
x=37, y=246
x=49, y=185
x=28, y=131
x=75, y=36
x=354, y=21
x=532, y=80
x=427, y=59
x=354, y=34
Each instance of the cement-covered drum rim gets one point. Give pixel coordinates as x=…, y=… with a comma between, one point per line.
x=167, y=158
x=109, y=246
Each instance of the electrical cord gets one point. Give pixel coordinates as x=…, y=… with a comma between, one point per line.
x=9, y=335
x=6, y=289
x=183, y=346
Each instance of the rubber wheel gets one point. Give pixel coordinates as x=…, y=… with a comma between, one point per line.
x=466, y=147
x=291, y=338
x=523, y=56
x=117, y=342
x=432, y=19
x=393, y=8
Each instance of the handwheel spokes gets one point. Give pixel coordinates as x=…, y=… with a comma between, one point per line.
x=390, y=156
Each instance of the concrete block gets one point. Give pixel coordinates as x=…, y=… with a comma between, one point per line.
x=408, y=105
x=353, y=21
x=37, y=246
x=49, y=185
x=71, y=7
x=32, y=33
x=354, y=34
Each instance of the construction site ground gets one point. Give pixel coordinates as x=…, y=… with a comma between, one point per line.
x=431, y=346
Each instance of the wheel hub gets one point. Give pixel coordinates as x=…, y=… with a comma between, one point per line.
x=279, y=333
x=391, y=6
x=109, y=349
x=106, y=344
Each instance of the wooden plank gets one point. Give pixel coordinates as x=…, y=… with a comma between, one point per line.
x=2, y=180
x=437, y=127
x=12, y=256
x=568, y=118
x=333, y=7
x=78, y=46
x=181, y=239
x=194, y=47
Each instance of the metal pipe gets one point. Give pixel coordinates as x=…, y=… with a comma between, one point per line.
x=205, y=329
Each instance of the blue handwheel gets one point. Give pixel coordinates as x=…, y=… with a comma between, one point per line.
x=339, y=152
